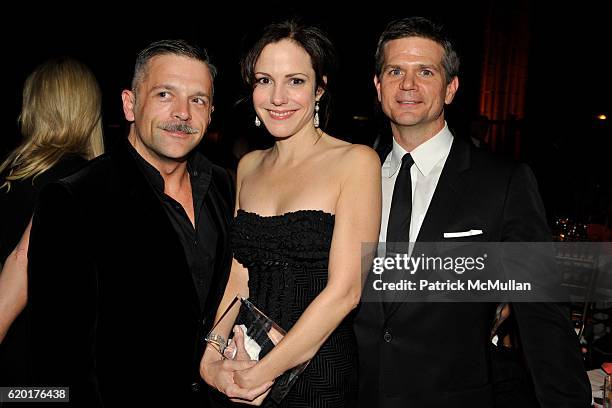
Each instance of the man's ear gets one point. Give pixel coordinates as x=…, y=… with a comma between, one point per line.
x=377, y=86
x=451, y=90
x=129, y=102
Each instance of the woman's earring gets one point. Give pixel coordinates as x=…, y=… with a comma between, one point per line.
x=257, y=121
x=316, y=116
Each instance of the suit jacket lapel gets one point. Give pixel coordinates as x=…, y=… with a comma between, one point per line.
x=219, y=216
x=448, y=192
x=443, y=203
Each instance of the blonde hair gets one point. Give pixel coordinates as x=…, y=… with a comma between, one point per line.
x=61, y=113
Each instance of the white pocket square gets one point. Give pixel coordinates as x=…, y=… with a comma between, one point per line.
x=469, y=233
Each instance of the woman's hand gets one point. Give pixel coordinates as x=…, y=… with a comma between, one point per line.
x=252, y=379
x=220, y=374
x=242, y=354
x=249, y=378
x=240, y=349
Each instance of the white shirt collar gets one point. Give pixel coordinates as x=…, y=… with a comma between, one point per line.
x=425, y=156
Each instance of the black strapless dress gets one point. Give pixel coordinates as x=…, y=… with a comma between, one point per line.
x=287, y=258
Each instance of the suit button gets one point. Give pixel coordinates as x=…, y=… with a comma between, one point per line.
x=387, y=336
x=195, y=387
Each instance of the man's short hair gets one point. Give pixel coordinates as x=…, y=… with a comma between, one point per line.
x=423, y=28
x=169, y=47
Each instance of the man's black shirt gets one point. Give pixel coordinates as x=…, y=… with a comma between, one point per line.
x=199, y=243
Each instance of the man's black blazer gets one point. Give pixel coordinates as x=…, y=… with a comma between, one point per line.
x=437, y=354
x=114, y=308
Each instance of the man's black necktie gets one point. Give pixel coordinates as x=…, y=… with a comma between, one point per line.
x=398, y=227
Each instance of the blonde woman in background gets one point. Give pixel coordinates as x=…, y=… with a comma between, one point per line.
x=61, y=126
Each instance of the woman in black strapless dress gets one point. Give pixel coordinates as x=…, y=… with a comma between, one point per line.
x=304, y=207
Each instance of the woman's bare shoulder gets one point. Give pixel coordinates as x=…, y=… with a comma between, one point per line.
x=356, y=155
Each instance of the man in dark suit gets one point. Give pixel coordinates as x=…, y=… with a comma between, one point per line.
x=128, y=257
x=437, y=354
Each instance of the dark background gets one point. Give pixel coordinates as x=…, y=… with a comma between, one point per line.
x=567, y=86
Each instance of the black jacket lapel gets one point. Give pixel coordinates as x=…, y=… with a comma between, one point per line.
x=448, y=192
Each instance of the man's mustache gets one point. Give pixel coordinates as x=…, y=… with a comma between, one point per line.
x=178, y=127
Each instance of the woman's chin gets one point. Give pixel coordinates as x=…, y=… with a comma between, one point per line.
x=281, y=133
